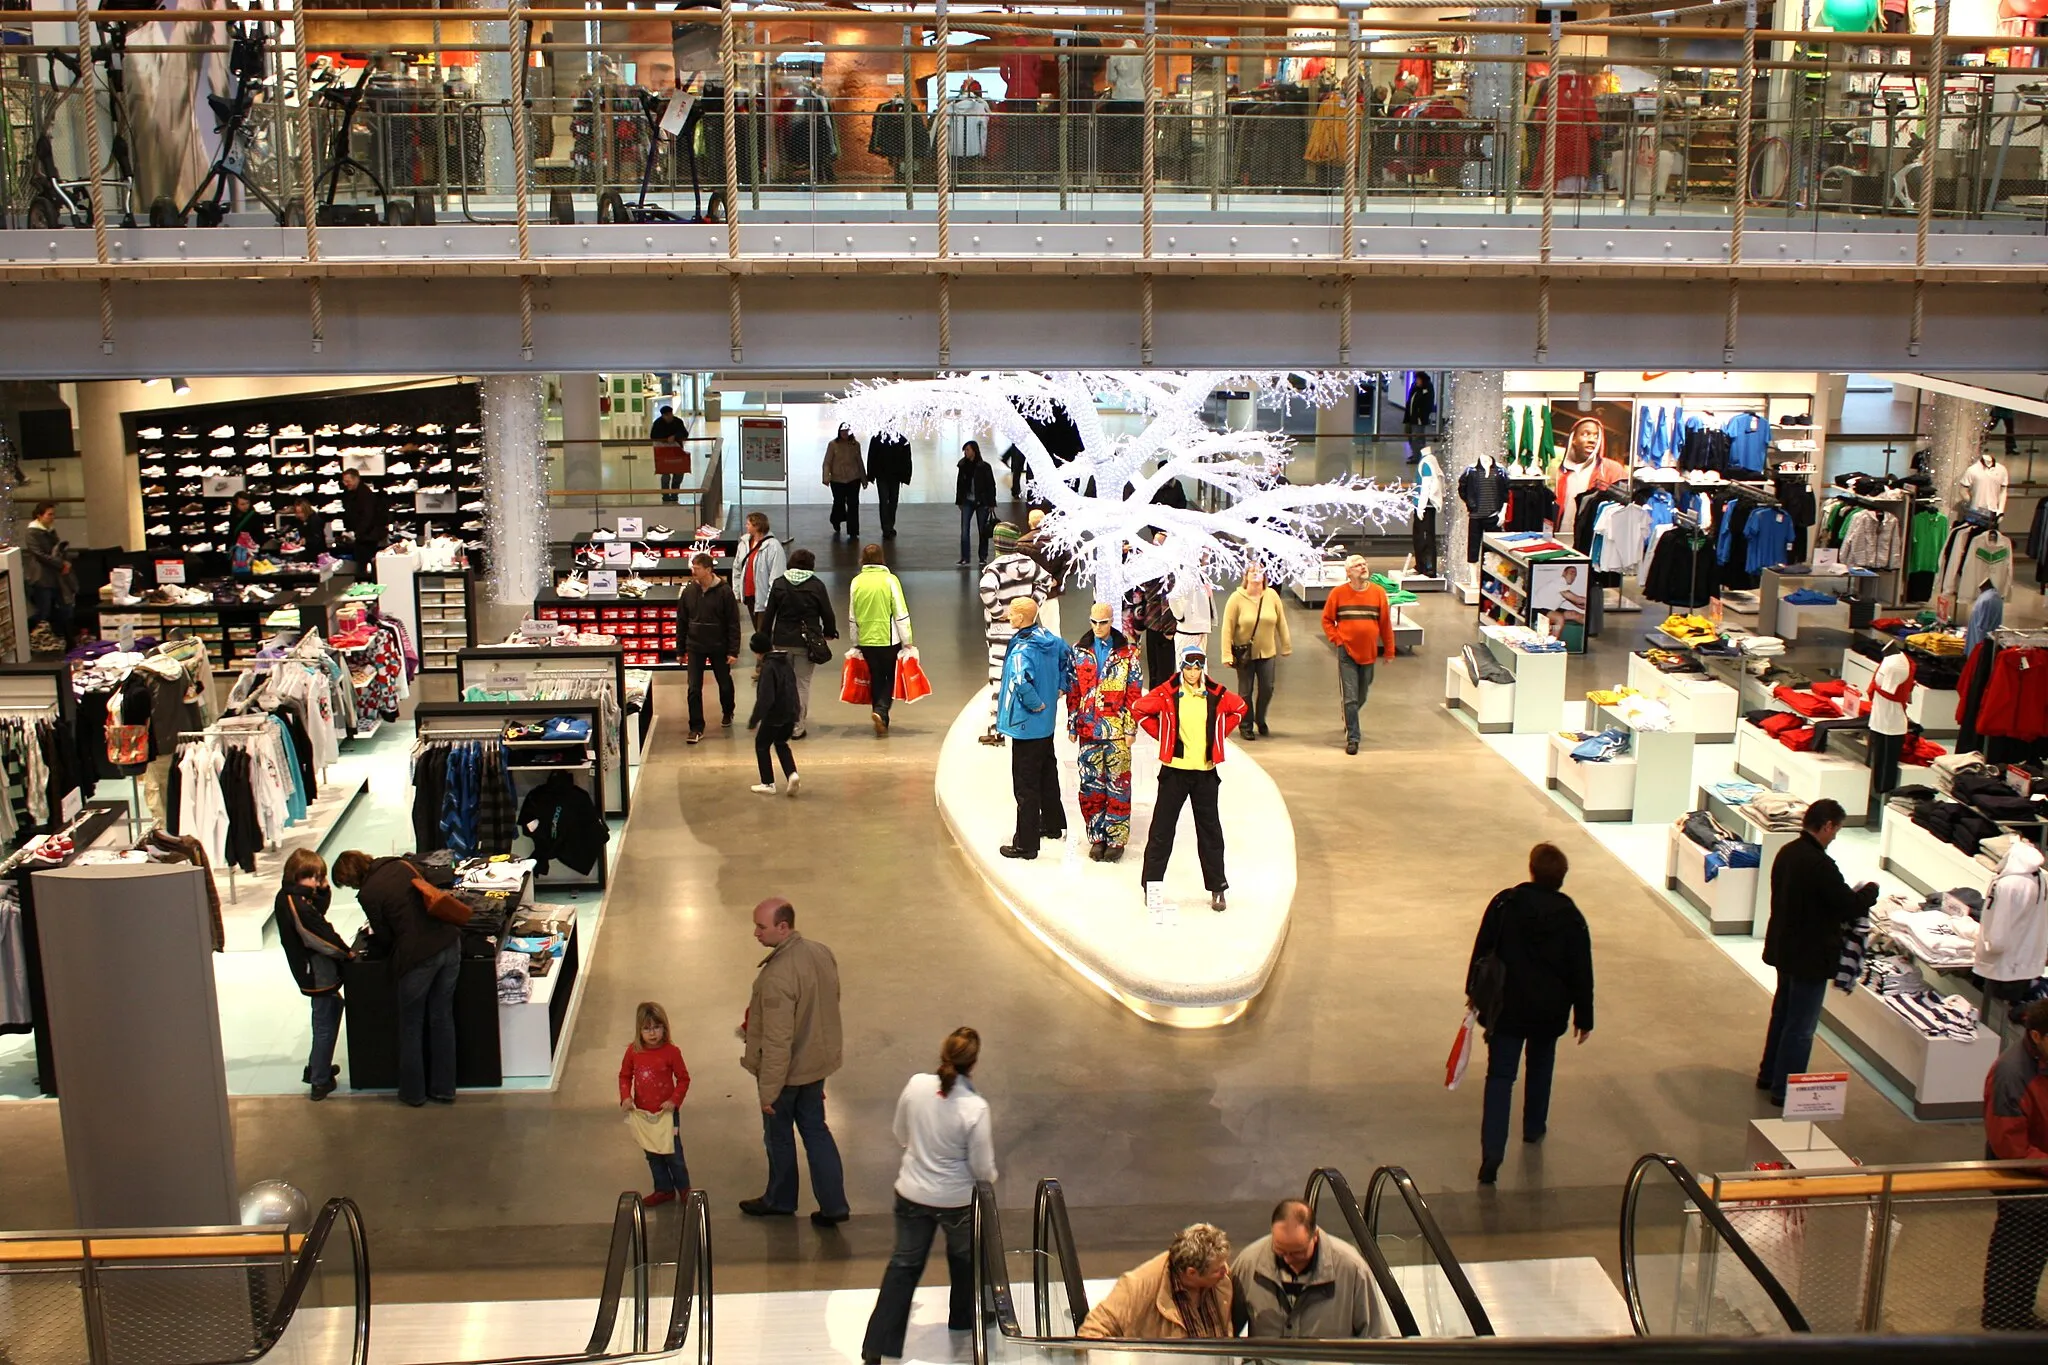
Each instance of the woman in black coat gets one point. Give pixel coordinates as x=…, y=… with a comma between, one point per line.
x=799, y=606
x=1542, y=984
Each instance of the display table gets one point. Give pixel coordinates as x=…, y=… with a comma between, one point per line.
x=1808, y=776
x=1491, y=705
x=1775, y=583
x=1652, y=782
x=1794, y=617
x=527, y=1033
x=1943, y=1078
x=1539, y=682
x=1728, y=901
x=1768, y=841
x=1313, y=590
x=1927, y=864
x=1699, y=704
x=1801, y=1146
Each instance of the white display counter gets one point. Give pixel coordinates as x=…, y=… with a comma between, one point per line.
x=1728, y=901
x=1189, y=967
x=1793, y=617
x=1491, y=705
x=1933, y=709
x=1699, y=705
x=1539, y=682
x=1928, y=864
x=1944, y=1079
x=1768, y=841
x=1808, y=776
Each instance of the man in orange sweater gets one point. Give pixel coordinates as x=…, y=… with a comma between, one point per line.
x=1359, y=622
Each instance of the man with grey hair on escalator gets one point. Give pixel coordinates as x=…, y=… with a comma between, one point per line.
x=1297, y=1283
x=1184, y=1291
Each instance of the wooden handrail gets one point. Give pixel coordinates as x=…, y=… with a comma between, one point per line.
x=45, y=1250
x=1859, y=1185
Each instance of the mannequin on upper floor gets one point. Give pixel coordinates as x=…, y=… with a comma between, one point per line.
x=1984, y=484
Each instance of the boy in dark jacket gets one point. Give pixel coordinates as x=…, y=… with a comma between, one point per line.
x=774, y=718
x=711, y=639
x=315, y=953
x=1546, y=960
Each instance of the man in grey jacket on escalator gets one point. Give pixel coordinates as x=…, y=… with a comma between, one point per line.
x=1297, y=1283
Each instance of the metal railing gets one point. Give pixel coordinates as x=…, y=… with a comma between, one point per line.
x=1686, y=1270
x=1365, y=1236
x=1899, y=1249
x=1407, y=1224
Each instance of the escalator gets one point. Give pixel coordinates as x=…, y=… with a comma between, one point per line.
x=1686, y=1271
x=323, y=1317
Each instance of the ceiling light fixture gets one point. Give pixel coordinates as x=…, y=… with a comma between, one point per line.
x=181, y=387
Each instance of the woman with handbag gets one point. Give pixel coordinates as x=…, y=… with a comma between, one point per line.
x=425, y=953
x=1255, y=635
x=799, y=618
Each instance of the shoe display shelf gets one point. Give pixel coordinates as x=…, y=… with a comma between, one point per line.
x=1531, y=705
x=1808, y=776
x=647, y=627
x=445, y=605
x=1698, y=704
x=422, y=448
x=1650, y=782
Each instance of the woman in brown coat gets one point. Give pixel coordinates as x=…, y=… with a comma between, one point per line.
x=1182, y=1292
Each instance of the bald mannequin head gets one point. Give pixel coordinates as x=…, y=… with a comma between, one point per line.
x=774, y=922
x=1023, y=612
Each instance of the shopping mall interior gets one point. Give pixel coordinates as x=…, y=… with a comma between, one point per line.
x=384, y=469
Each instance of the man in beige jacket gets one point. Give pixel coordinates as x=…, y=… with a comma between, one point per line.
x=1185, y=1291
x=792, y=1045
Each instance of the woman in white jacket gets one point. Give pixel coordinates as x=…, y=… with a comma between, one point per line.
x=947, y=1146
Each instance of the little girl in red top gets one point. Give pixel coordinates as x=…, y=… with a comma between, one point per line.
x=652, y=1084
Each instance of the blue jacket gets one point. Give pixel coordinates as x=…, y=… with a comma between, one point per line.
x=1037, y=670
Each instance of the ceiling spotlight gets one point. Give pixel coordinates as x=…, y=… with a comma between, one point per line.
x=147, y=382
x=181, y=387
x=1586, y=392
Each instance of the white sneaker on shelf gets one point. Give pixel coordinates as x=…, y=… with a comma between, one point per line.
x=765, y=788
x=572, y=586
x=659, y=532
x=600, y=535
x=222, y=433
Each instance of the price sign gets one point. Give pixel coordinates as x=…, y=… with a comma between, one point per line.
x=618, y=552
x=604, y=583
x=1817, y=1095
x=764, y=450
x=170, y=571
x=630, y=528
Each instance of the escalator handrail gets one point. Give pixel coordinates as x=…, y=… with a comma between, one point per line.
x=345, y=1212
x=1631, y=1284
x=991, y=1272
x=629, y=1243
x=693, y=1278
x=1049, y=1216
x=1432, y=1235
x=1361, y=1237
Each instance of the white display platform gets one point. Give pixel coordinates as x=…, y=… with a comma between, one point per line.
x=1944, y=1078
x=1808, y=776
x=1491, y=705
x=1698, y=704
x=1728, y=901
x=1925, y=863
x=1794, y=617
x=1198, y=970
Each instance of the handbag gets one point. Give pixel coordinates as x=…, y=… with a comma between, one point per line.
x=442, y=905
x=816, y=647
x=655, y=1133
x=127, y=745
x=911, y=683
x=854, y=686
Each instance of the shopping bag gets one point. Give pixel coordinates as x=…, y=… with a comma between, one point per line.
x=911, y=683
x=1461, y=1050
x=853, y=679
x=671, y=457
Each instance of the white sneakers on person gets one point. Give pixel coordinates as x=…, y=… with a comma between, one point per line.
x=789, y=784
x=764, y=788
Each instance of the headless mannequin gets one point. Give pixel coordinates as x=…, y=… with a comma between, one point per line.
x=1984, y=485
x=1890, y=689
x=1483, y=490
x=1429, y=499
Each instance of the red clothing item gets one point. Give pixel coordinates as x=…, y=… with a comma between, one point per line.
x=1807, y=704
x=1577, y=120
x=1830, y=687
x=2015, y=704
x=1799, y=740
x=1778, y=722
x=1158, y=713
x=1920, y=751
x=2016, y=1106
x=1360, y=621
x=651, y=1077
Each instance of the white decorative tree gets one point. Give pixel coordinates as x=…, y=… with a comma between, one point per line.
x=1101, y=501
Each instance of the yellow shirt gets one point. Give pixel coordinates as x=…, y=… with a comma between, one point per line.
x=1194, y=738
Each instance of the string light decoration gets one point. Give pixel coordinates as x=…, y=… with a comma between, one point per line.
x=1101, y=501
x=1476, y=399
x=1955, y=428
x=515, y=487
x=10, y=479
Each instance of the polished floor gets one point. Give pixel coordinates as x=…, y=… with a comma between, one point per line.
x=1340, y=1062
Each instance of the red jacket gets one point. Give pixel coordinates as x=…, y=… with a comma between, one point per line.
x=1158, y=711
x=2016, y=1106
x=648, y=1077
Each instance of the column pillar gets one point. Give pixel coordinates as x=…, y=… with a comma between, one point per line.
x=582, y=456
x=113, y=493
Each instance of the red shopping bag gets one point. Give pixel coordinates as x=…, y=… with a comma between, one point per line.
x=671, y=457
x=853, y=680
x=911, y=683
x=1461, y=1050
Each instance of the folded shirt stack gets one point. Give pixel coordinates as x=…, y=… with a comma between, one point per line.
x=1689, y=629
x=1810, y=597
x=1776, y=810
x=1808, y=703
x=1937, y=642
x=1738, y=792
x=1598, y=748
x=515, y=986
x=1941, y=940
x=1670, y=661
x=1645, y=713
x=1762, y=646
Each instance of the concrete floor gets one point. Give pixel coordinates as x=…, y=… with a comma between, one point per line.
x=1340, y=1062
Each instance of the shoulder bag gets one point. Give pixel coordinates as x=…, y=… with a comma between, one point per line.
x=442, y=905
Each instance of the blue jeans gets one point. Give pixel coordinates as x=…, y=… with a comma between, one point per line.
x=916, y=1225
x=968, y=517
x=326, y=1030
x=1355, y=680
x=426, y=1028
x=1795, y=1014
x=670, y=1170
x=1503, y=1059
x=801, y=1109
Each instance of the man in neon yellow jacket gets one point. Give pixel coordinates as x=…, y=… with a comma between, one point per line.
x=881, y=628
